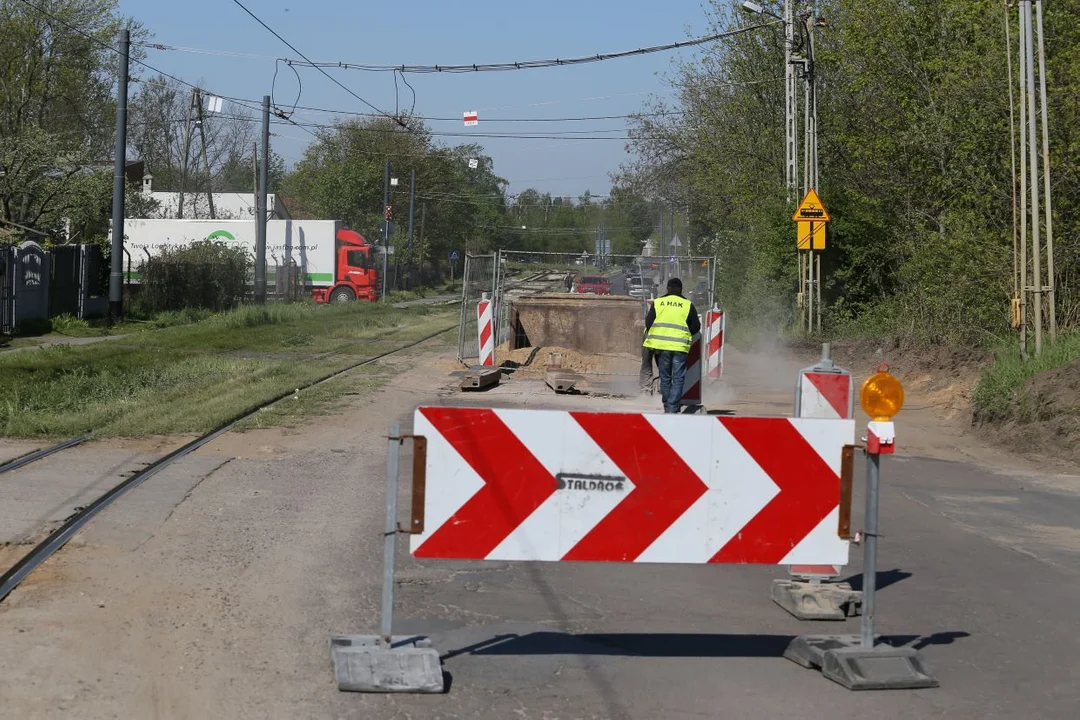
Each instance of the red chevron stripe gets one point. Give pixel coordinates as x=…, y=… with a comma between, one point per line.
x=515, y=484
x=809, y=490
x=664, y=487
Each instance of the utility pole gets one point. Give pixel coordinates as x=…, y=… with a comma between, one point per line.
x=261, y=210
x=186, y=154
x=1017, y=280
x=1051, y=300
x=1024, y=287
x=412, y=208
x=791, y=101
x=116, y=270
x=386, y=225
x=1033, y=161
x=423, y=215
x=206, y=162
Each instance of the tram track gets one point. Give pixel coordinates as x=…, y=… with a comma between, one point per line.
x=59, y=537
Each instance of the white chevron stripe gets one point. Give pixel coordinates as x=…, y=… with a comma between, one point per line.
x=822, y=539
x=561, y=521
x=456, y=481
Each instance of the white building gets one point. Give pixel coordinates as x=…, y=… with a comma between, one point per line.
x=227, y=206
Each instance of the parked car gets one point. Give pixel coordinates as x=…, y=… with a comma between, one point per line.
x=593, y=285
x=640, y=287
x=700, y=295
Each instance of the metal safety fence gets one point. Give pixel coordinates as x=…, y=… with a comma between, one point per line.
x=478, y=279
x=641, y=276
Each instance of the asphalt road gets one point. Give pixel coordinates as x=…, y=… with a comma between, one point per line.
x=977, y=570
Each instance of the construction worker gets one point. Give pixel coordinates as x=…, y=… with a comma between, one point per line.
x=671, y=323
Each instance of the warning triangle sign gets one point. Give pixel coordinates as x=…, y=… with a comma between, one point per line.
x=811, y=208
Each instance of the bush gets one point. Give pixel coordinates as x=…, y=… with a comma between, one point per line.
x=206, y=276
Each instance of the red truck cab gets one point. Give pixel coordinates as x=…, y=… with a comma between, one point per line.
x=354, y=272
x=593, y=285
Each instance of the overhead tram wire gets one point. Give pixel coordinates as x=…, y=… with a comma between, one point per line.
x=330, y=77
x=527, y=64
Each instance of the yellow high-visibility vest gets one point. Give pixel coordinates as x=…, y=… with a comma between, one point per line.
x=669, y=331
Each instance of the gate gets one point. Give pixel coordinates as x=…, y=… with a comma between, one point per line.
x=7, y=289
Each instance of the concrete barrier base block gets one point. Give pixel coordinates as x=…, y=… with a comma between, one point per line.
x=365, y=663
x=841, y=659
x=878, y=668
x=816, y=600
x=481, y=378
x=809, y=650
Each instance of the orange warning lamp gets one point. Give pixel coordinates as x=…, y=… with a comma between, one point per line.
x=882, y=395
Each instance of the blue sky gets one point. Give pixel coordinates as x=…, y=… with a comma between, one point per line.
x=441, y=32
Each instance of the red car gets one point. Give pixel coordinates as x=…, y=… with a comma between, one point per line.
x=593, y=285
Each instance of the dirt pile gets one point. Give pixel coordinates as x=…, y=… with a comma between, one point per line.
x=1044, y=415
x=537, y=358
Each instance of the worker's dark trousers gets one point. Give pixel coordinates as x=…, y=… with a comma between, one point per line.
x=672, y=375
x=646, y=374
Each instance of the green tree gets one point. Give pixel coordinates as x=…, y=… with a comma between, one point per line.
x=340, y=176
x=56, y=110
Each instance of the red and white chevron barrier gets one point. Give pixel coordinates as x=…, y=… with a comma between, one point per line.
x=486, y=332
x=616, y=487
x=716, y=322
x=692, y=382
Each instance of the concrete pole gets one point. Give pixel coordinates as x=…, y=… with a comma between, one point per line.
x=1012, y=148
x=1033, y=161
x=1051, y=301
x=412, y=207
x=116, y=270
x=1024, y=287
x=791, y=94
x=261, y=209
x=386, y=225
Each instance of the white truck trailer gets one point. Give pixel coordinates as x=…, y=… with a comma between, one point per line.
x=333, y=262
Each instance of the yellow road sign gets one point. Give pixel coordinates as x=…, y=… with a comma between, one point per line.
x=811, y=208
x=810, y=235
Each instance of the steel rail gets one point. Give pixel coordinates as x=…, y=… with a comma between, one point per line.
x=24, y=460
x=59, y=537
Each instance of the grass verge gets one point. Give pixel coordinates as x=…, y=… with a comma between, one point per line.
x=322, y=399
x=191, y=378
x=1008, y=390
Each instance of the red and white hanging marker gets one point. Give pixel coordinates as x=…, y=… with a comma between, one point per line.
x=471, y=118
x=485, y=331
x=716, y=322
x=692, y=382
x=568, y=486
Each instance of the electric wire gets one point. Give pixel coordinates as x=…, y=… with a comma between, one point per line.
x=330, y=77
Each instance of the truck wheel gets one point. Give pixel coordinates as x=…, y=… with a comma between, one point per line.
x=342, y=295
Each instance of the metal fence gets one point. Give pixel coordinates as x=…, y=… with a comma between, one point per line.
x=513, y=273
x=478, y=278
x=643, y=276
